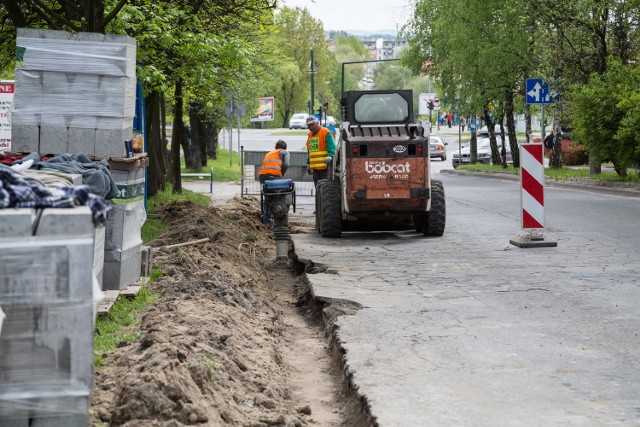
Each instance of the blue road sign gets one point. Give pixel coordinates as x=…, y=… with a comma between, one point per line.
x=537, y=92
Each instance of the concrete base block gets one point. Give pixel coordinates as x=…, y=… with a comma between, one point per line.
x=17, y=222
x=69, y=411
x=121, y=268
x=25, y=138
x=66, y=222
x=46, y=359
x=53, y=138
x=81, y=140
x=124, y=225
x=529, y=241
x=110, y=142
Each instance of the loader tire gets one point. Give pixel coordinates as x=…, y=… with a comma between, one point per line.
x=435, y=219
x=330, y=220
x=317, y=207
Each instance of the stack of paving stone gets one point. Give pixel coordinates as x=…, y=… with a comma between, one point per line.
x=77, y=94
x=123, y=241
x=48, y=295
x=73, y=94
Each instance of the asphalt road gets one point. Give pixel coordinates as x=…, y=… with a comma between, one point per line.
x=467, y=329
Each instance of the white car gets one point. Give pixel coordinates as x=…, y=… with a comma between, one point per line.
x=330, y=120
x=298, y=121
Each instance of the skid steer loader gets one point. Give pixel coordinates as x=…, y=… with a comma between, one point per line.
x=380, y=177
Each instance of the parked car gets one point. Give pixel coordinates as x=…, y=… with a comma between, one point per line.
x=437, y=148
x=483, y=151
x=331, y=120
x=298, y=121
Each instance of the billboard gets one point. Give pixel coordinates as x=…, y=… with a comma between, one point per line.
x=6, y=100
x=266, y=110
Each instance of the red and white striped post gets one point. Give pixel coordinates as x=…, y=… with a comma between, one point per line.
x=532, y=197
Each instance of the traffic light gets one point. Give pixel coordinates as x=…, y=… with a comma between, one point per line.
x=325, y=105
x=430, y=105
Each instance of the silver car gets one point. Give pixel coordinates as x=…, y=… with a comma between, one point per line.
x=437, y=148
x=483, y=151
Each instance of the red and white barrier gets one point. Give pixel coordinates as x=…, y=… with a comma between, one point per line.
x=532, y=182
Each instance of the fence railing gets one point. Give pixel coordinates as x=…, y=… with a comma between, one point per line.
x=250, y=164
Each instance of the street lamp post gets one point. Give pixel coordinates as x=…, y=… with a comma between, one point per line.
x=312, y=73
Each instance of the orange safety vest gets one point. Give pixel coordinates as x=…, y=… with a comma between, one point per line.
x=317, y=147
x=272, y=163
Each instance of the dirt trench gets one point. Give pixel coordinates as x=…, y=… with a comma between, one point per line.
x=235, y=339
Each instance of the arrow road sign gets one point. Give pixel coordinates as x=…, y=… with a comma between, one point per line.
x=538, y=92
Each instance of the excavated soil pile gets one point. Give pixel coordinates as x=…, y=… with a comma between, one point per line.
x=214, y=349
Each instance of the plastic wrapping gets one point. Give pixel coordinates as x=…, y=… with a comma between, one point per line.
x=75, y=83
x=48, y=293
x=89, y=57
x=46, y=359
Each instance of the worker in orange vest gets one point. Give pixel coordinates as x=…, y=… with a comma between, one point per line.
x=273, y=166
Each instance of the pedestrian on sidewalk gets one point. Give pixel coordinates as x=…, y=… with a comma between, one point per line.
x=273, y=166
x=548, y=144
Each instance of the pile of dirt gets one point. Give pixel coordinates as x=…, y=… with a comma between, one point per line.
x=222, y=346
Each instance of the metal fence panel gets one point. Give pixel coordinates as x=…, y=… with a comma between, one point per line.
x=297, y=171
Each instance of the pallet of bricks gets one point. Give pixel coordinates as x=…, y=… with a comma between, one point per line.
x=77, y=94
x=73, y=94
x=48, y=297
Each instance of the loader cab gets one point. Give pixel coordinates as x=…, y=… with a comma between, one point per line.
x=378, y=107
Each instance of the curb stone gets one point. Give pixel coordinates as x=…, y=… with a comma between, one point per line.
x=627, y=189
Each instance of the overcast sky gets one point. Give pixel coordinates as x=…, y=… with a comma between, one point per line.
x=362, y=15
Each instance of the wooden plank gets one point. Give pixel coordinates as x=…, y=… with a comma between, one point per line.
x=109, y=300
x=131, y=290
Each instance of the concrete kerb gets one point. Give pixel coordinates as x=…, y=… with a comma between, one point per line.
x=625, y=189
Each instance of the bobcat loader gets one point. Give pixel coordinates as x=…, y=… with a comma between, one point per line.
x=380, y=177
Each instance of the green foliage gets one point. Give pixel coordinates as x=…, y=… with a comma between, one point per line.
x=297, y=33
x=606, y=115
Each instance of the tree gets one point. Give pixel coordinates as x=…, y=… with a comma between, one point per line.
x=607, y=115
x=298, y=33
x=477, y=51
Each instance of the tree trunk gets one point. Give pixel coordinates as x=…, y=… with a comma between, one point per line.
x=177, y=138
x=595, y=165
x=473, y=148
x=491, y=127
x=212, y=143
x=166, y=151
x=157, y=167
x=527, y=121
x=511, y=129
x=502, y=148
x=198, y=145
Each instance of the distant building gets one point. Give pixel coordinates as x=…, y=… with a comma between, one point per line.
x=384, y=47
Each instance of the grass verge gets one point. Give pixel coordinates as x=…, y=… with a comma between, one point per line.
x=557, y=174
x=224, y=169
